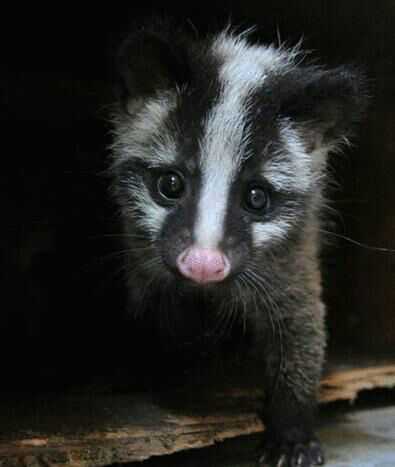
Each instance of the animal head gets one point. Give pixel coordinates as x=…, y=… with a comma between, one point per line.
x=220, y=150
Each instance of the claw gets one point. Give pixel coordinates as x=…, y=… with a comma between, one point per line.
x=316, y=454
x=291, y=455
x=263, y=459
x=300, y=461
x=282, y=462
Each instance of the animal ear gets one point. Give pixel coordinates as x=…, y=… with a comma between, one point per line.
x=150, y=61
x=327, y=104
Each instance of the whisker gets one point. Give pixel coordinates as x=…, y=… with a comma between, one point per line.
x=122, y=235
x=154, y=274
x=275, y=319
x=357, y=243
x=121, y=253
x=245, y=308
x=263, y=295
x=227, y=316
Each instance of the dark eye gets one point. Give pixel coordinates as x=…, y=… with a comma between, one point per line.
x=170, y=185
x=256, y=198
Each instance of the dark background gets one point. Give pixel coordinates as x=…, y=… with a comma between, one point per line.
x=61, y=297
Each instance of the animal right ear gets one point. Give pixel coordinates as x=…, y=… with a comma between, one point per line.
x=327, y=104
x=148, y=62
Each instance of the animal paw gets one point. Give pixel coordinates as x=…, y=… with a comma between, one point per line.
x=288, y=454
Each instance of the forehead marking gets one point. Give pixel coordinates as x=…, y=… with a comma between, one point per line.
x=146, y=125
x=225, y=136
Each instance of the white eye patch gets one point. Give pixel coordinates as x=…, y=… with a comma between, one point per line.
x=147, y=214
x=272, y=231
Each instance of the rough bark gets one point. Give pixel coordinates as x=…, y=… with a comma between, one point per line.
x=96, y=430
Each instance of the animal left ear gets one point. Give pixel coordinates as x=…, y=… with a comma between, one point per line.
x=151, y=59
x=326, y=104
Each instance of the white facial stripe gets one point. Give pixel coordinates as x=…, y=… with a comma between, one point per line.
x=266, y=232
x=290, y=169
x=223, y=146
x=133, y=133
x=212, y=206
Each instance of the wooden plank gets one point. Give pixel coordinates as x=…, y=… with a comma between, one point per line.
x=98, y=430
x=347, y=383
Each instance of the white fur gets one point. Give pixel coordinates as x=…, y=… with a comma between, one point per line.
x=243, y=71
x=290, y=169
x=265, y=232
x=131, y=139
x=147, y=214
x=147, y=122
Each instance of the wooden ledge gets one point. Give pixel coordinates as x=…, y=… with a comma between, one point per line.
x=98, y=430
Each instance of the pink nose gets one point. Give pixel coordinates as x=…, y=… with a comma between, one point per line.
x=203, y=265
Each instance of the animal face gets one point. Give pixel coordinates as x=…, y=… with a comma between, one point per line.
x=220, y=152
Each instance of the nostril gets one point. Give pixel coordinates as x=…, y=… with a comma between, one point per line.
x=183, y=256
x=185, y=235
x=203, y=265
